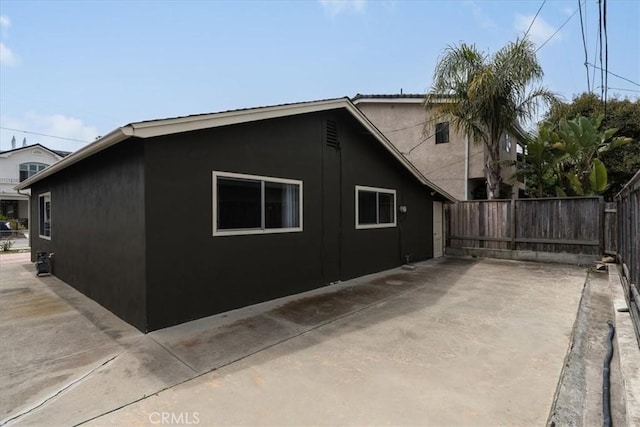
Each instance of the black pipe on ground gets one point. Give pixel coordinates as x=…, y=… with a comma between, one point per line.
x=606, y=397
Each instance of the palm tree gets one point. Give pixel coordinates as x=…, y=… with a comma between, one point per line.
x=486, y=96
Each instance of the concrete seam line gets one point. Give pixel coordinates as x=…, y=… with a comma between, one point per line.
x=63, y=358
x=565, y=363
x=304, y=332
x=65, y=388
x=171, y=353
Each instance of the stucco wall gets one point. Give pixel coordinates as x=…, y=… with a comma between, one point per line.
x=403, y=123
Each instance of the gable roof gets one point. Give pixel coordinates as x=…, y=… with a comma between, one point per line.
x=153, y=128
x=27, y=147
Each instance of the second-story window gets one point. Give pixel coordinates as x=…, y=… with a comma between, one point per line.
x=507, y=142
x=27, y=170
x=442, y=132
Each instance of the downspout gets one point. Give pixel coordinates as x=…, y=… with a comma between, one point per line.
x=466, y=167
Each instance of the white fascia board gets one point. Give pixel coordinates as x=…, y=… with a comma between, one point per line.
x=106, y=141
x=390, y=100
x=191, y=123
x=400, y=100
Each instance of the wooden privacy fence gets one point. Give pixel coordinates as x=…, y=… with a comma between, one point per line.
x=573, y=225
x=628, y=210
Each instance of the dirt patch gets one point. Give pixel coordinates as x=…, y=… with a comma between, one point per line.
x=16, y=307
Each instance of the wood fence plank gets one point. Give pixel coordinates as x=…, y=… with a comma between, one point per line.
x=573, y=225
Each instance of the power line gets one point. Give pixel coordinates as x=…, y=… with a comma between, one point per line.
x=452, y=163
x=419, y=144
x=559, y=28
x=621, y=88
x=424, y=122
x=584, y=44
x=614, y=74
x=406, y=127
x=595, y=55
x=602, y=84
x=44, y=134
x=425, y=139
x=443, y=166
x=534, y=19
x=606, y=55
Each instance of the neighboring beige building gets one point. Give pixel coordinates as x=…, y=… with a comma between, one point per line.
x=447, y=159
x=16, y=165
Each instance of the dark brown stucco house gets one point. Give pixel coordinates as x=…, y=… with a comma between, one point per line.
x=167, y=221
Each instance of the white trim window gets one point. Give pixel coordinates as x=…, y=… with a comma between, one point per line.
x=252, y=204
x=44, y=216
x=27, y=170
x=375, y=207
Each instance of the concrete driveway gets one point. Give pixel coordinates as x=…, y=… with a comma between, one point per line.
x=454, y=342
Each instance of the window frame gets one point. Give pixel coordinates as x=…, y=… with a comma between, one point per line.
x=377, y=190
x=44, y=197
x=439, y=132
x=263, y=180
x=27, y=165
x=507, y=143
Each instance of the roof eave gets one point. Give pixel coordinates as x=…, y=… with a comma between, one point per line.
x=106, y=141
x=192, y=123
x=28, y=147
x=389, y=100
x=154, y=128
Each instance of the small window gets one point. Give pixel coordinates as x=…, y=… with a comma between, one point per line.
x=375, y=207
x=27, y=170
x=442, y=133
x=44, y=208
x=507, y=142
x=250, y=204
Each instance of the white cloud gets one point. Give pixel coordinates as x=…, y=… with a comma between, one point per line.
x=58, y=125
x=540, y=31
x=7, y=57
x=5, y=22
x=68, y=127
x=481, y=18
x=335, y=7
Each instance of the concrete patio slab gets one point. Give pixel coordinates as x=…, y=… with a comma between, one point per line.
x=454, y=342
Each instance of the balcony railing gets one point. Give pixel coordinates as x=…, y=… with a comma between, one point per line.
x=9, y=181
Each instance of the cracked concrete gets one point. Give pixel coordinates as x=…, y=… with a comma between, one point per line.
x=454, y=342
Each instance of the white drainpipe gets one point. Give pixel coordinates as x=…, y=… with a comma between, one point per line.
x=466, y=167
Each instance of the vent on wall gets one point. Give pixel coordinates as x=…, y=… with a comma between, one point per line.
x=331, y=133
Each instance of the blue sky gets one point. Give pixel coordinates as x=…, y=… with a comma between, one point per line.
x=79, y=69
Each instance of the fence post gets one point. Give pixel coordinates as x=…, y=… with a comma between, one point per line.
x=601, y=228
x=513, y=224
